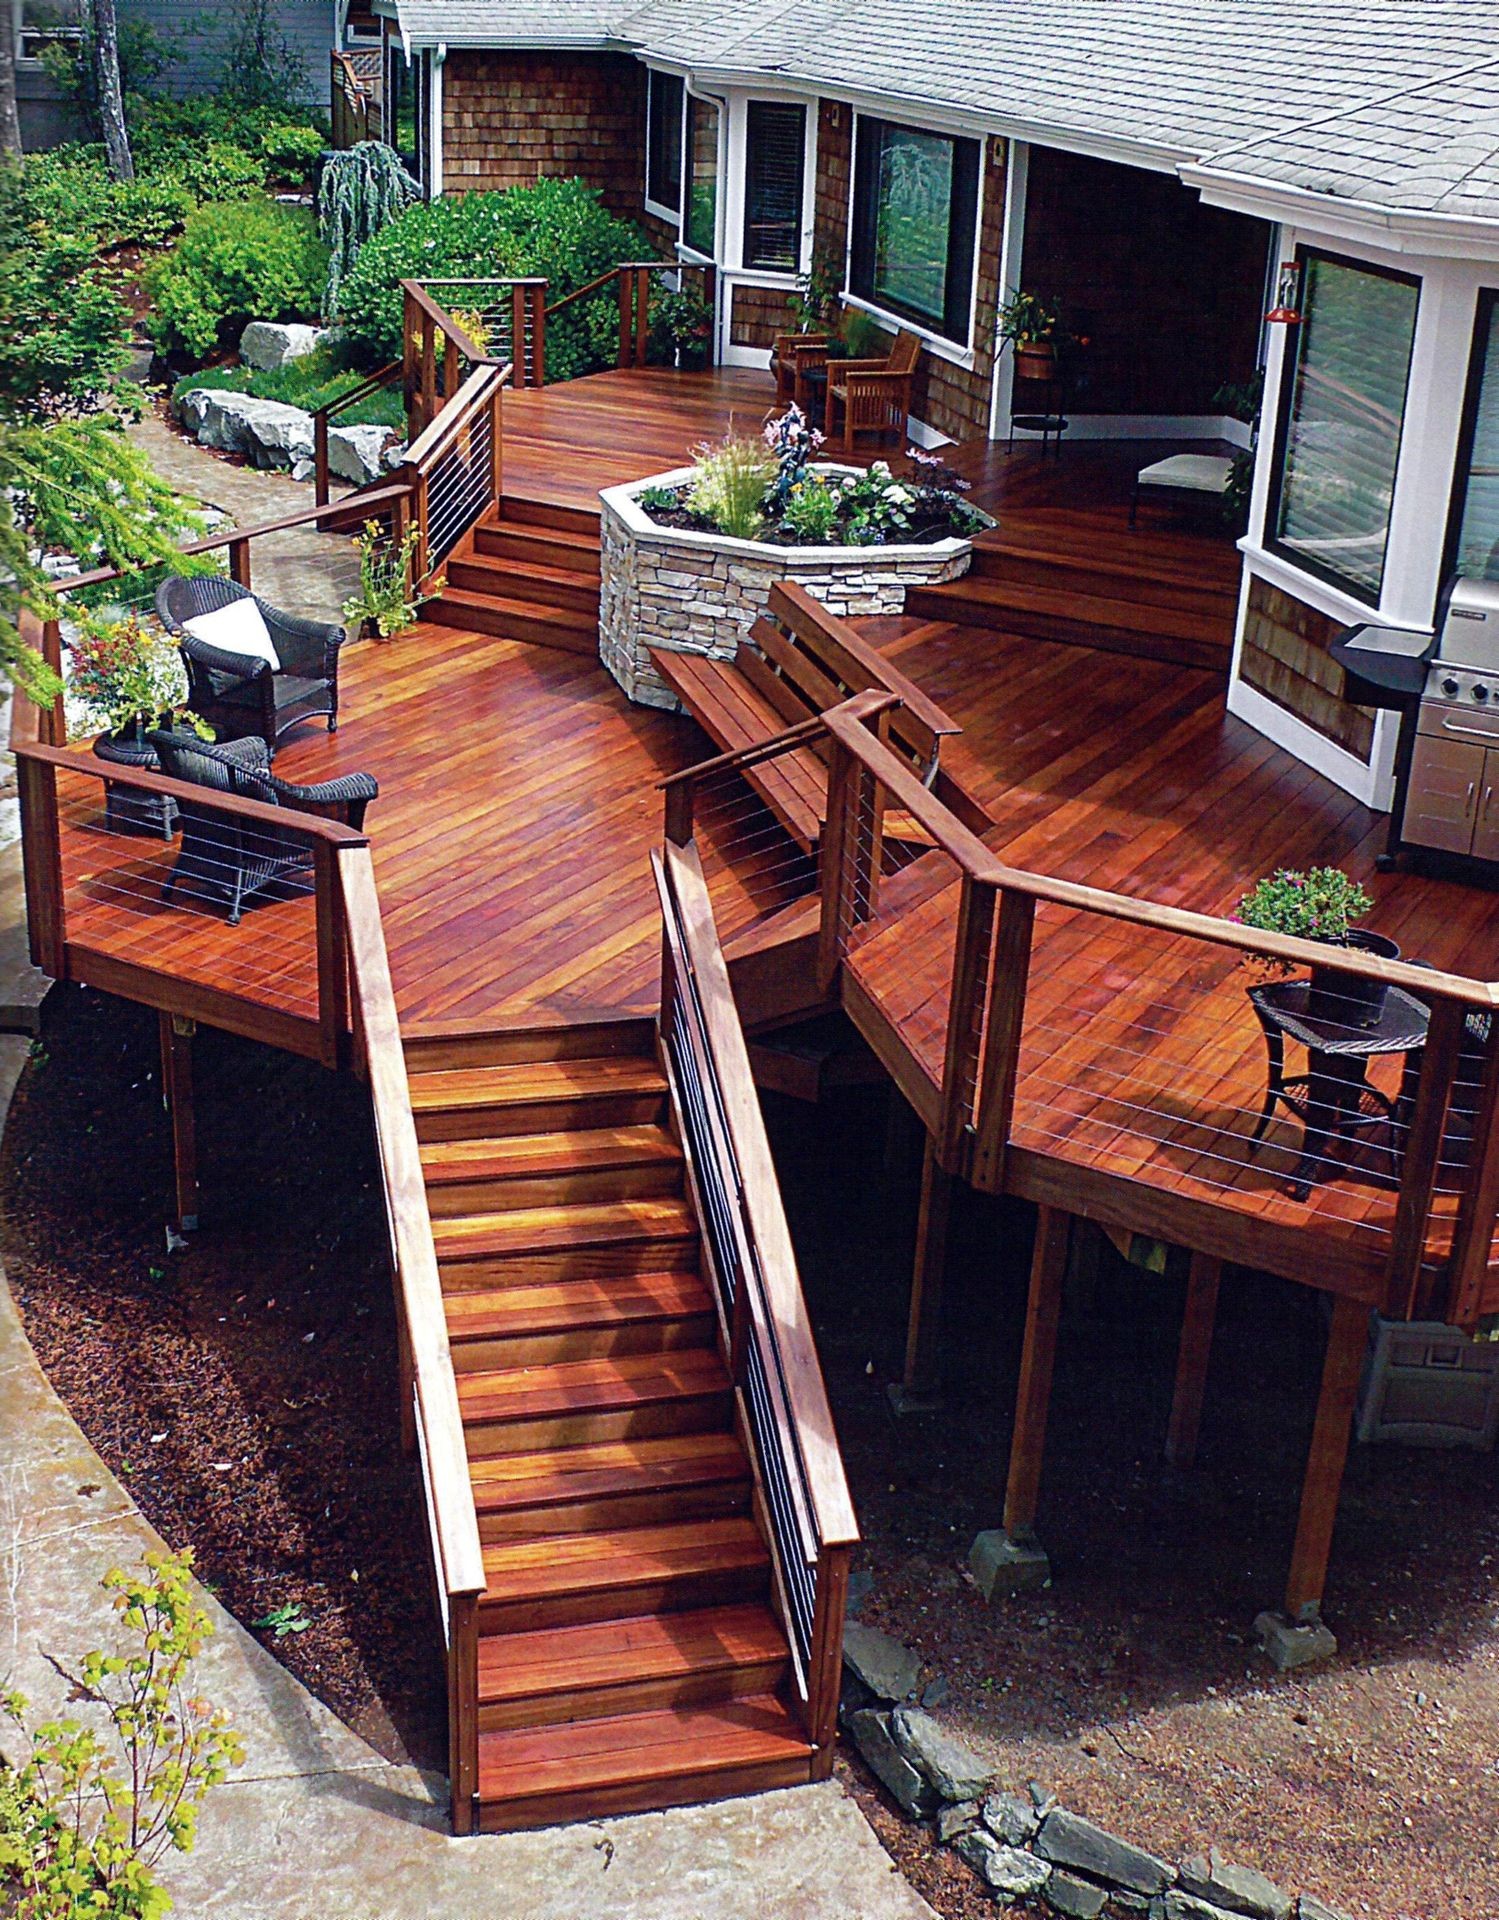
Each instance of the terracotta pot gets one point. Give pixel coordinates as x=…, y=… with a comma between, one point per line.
x=1036, y=362
x=1340, y=997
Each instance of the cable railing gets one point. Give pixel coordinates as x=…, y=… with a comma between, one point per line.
x=454, y=470
x=762, y=1311
x=629, y=287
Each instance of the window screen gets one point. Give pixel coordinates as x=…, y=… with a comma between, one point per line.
x=701, y=227
x=664, y=158
x=773, y=171
x=915, y=208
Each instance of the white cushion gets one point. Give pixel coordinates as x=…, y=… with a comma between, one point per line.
x=237, y=628
x=1193, y=472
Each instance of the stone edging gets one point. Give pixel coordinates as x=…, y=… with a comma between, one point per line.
x=1028, y=1847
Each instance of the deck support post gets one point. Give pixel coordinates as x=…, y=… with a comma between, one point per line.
x=177, y=1094
x=1297, y=1636
x=920, y=1388
x=1198, y=1317
x=1009, y=1559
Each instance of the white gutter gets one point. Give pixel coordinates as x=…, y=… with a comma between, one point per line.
x=1398, y=229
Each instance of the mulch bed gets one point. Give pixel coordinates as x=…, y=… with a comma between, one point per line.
x=1128, y=1688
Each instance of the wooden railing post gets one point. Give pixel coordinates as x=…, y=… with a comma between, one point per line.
x=710, y=295
x=642, y=314
x=836, y=879
x=1002, y=1031
x=410, y=369
x=972, y=948
x=496, y=444
x=320, y=470
x=419, y=557
x=1473, y=1236
x=54, y=722
x=239, y=561
x=463, y=1707
x=41, y=847
x=538, y=342
x=1421, y=1164
x=451, y=379
x=626, y=327
x=519, y=307
x=680, y=796
x=825, y=1668
x=429, y=370
x=332, y=957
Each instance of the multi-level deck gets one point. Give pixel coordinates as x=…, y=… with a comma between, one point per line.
x=606, y=1356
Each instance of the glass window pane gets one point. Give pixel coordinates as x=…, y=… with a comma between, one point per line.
x=1478, y=533
x=664, y=161
x=702, y=158
x=775, y=151
x=913, y=222
x=1342, y=437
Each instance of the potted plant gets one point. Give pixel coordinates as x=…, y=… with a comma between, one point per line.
x=127, y=679
x=683, y=321
x=388, y=599
x=1032, y=328
x=814, y=304
x=1322, y=903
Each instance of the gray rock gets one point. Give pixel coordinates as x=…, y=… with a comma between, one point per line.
x=953, y=1821
x=1309, y=1907
x=1293, y=1643
x=272, y=433
x=1011, y=1819
x=358, y=453
x=1078, y=1899
x=953, y=1769
x=889, y=1670
x=860, y=1586
x=935, y=1692
x=268, y=344
x=1012, y=1873
x=1240, y=1889
x=871, y=1734
x=303, y=469
x=1186, y=1906
x=1071, y=1841
x=393, y=457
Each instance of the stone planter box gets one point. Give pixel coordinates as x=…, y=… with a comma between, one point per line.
x=702, y=592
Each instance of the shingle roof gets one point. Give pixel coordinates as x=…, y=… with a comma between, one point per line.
x=1375, y=98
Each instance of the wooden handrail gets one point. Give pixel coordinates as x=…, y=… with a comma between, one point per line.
x=440, y=317
x=613, y=273
x=430, y=1392
x=459, y=414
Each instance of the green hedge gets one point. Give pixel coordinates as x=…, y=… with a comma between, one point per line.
x=559, y=229
x=245, y=260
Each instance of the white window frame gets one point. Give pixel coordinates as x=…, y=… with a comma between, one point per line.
x=684, y=250
x=956, y=353
x=54, y=34
x=673, y=216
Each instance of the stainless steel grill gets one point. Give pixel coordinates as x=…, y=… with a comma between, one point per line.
x=1452, y=797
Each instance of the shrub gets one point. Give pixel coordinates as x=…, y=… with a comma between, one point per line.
x=1320, y=904
x=261, y=66
x=559, y=229
x=729, y=484
x=810, y=514
x=291, y=150
x=361, y=191
x=246, y=260
x=313, y=380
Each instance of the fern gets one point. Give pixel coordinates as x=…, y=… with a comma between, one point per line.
x=361, y=190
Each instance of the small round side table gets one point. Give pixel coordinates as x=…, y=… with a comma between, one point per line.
x=125, y=809
x=1329, y=1097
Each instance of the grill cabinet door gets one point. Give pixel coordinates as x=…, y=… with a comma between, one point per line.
x=1486, y=813
x=1446, y=783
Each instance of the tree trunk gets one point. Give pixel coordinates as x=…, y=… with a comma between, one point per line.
x=111, y=99
x=10, y=119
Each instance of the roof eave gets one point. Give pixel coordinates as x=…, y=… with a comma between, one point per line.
x=1411, y=230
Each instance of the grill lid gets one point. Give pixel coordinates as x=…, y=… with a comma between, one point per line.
x=1468, y=625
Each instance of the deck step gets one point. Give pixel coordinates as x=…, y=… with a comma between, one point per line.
x=535, y=1096
x=532, y=1245
x=519, y=511
x=577, y=551
x=490, y=1330
x=511, y=619
x=1075, y=619
x=629, y=1666
x=1144, y=577
x=590, y=1769
x=541, y=1169
x=441, y=1045
x=558, y=1580
x=611, y=1484
x=529, y=580
x=581, y=1402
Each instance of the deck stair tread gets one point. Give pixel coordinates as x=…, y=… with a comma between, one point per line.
x=729, y=1739
x=590, y=1386
x=1069, y=602
x=575, y=1304
x=540, y=1229
x=521, y=1155
x=511, y=1481
x=1157, y=578
x=550, y=1565
x=529, y=580
x=609, y=1653
x=510, y=618
x=518, y=1082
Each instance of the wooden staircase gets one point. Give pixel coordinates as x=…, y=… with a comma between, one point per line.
x=628, y=1654
x=1135, y=603
x=527, y=570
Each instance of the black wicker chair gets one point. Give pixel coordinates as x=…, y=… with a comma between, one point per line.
x=237, y=694
x=228, y=858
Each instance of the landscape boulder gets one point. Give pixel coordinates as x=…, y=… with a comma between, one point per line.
x=954, y=1770
x=889, y=1670
x=270, y=432
x=871, y=1735
x=1079, y=1899
x=1011, y=1819
x=1012, y=1873
x=269, y=344
x=358, y=453
x=1069, y=1840
x=1238, y=1889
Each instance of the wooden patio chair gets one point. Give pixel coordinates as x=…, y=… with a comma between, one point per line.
x=786, y=353
x=874, y=395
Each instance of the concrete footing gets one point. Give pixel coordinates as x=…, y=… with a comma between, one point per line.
x=1001, y=1565
x=1293, y=1643
x=904, y=1399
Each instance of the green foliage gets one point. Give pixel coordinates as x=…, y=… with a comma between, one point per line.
x=88, y=1816
x=861, y=337
x=681, y=323
x=291, y=149
x=166, y=135
x=729, y=483
x=285, y=1619
x=66, y=336
x=145, y=59
x=1321, y=903
x=810, y=515
x=559, y=229
x=312, y=381
x=1027, y=321
x=237, y=262
x=261, y=67
x=815, y=302
x=123, y=675
x=387, y=600
x=659, y=499
x=361, y=191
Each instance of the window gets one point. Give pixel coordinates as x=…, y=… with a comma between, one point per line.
x=774, y=167
x=45, y=23
x=915, y=211
x=663, y=160
x=1343, y=404
x=700, y=230
x=1475, y=505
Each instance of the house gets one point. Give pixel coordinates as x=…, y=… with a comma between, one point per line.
x=1029, y=925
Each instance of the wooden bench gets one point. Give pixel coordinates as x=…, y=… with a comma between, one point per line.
x=799, y=661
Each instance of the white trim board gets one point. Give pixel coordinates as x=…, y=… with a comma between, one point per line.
x=1374, y=784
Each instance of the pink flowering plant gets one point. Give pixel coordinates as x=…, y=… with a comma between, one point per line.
x=1321, y=903
x=794, y=443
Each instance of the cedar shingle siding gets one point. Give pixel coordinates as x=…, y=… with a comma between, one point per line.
x=1285, y=656
x=511, y=118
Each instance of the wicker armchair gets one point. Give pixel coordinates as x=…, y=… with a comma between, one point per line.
x=874, y=395
x=238, y=694
x=227, y=857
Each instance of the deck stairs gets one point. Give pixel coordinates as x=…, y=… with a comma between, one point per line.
x=527, y=570
x=1133, y=600
x=629, y=1657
